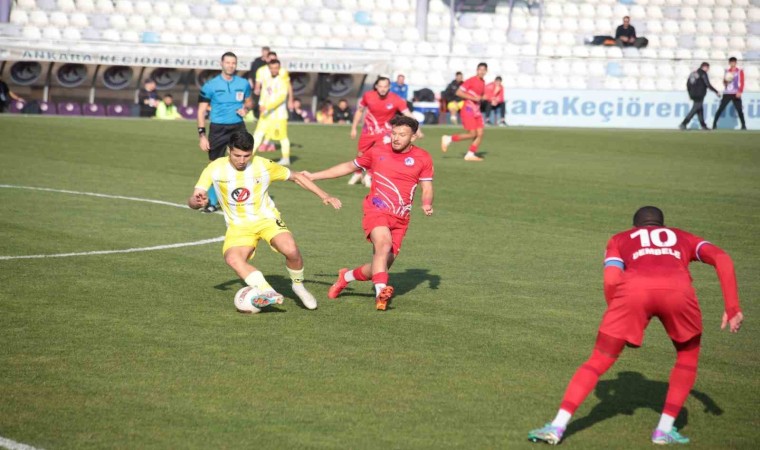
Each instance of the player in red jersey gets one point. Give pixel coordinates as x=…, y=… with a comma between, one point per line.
x=646, y=275
x=378, y=106
x=473, y=91
x=397, y=168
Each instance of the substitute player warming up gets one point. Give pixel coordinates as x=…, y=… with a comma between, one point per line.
x=241, y=182
x=473, y=92
x=646, y=275
x=397, y=169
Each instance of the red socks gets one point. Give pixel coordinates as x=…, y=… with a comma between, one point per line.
x=585, y=379
x=683, y=376
x=380, y=278
x=455, y=138
x=473, y=148
x=359, y=275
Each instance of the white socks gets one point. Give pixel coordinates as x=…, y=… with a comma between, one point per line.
x=666, y=423
x=379, y=287
x=349, y=276
x=295, y=275
x=563, y=417
x=257, y=280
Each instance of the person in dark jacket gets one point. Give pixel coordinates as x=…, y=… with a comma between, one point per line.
x=697, y=86
x=453, y=102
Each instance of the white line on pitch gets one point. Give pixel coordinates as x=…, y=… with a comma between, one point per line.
x=107, y=252
x=13, y=445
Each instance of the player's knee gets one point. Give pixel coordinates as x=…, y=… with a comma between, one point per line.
x=233, y=259
x=690, y=345
x=608, y=345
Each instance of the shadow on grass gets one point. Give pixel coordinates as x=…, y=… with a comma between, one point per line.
x=402, y=282
x=629, y=392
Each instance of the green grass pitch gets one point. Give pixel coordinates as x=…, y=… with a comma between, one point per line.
x=499, y=296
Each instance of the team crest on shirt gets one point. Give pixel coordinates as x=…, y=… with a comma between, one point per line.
x=409, y=161
x=241, y=194
x=239, y=96
x=389, y=106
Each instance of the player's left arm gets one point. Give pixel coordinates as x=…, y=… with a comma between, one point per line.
x=741, y=84
x=304, y=181
x=724, y=267
x=427, y=197
x=613, y=270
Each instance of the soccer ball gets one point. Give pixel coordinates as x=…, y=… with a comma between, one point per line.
x=244, y=300
x=729, y=77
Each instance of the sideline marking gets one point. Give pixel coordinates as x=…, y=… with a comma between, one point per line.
x=13, y=445
x=105, y=252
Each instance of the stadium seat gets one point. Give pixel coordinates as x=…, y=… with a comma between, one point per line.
x=124, y=7
x=51, y=33
x=704, y=13
x=69, y=6
x=181, y=10
x=688, y=14
x=31, y=32
x=38, y=18
x=93, y=109
x=71, y=34
x=188, y=38
x=143, y=8
x=118, y=110
x=157, y=23
x=136, y=23
x=69, y=109
x=738, y=14
x=19, y=16
x=162, y=9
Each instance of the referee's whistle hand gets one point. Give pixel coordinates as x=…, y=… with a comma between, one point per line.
x=203, y=144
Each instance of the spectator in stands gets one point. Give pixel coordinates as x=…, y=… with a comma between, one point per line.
x=400, y=88
x=325, y=113
x=342, y=113
x=733, y=80
x=697, y=86
x=257, y=63
x=625, y=35
x=453, y=102
x=6, y=95
x=148, y=99
x=167, y=110
x=494, y=103
x=298, y=114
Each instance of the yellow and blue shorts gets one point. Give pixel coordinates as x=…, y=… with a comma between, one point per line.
x=273, y=129
x=248, y=235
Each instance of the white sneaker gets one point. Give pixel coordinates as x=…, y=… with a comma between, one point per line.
x=307, y=299
x=367, y=180
x=355, y=178
x=284, y=162
x=445, y=142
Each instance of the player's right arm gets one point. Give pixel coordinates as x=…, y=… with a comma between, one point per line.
x=198, y=200
x=724, y=267
x=357, y=118
x=462, y=92
x=336, y=171
x=204, y=98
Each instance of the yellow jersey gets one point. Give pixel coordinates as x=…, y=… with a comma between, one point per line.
x=244, y=194
x=274, y=93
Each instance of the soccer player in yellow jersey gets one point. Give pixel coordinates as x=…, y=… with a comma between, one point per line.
x=241, y=181
x=273, y=110
x=263, y=74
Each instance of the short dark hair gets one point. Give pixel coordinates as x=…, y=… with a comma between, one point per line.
x=273, y=54
x=648, y=215
x=498, y=78
x=732, y=59
x=241, y=140
x=458, y=73
x=379, y=79
x=168, y=96
x=266, y=47
x=226, y=54
x=482, y=65
x=405, y=121
x=274, y=61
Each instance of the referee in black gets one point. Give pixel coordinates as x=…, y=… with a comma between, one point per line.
x=229, y=97
x=697, y=86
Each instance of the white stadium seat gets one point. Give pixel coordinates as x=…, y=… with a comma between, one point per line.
x=181, y=10
x=143, y=8
x=52, y=34
x=72, y=34
x=168, y=37
x=136, y=23
x=704, y=13
x=738, y=14
x=38, y=18
x=31, y=32
x=111, y=35
x=124, y=7
x=721, y=28
x=59, y=19
x=157, y=23
x=720, y=14
x=79, y=20
x=103, y=6
x=130, y=36
x=19, y=16
x=69, y=6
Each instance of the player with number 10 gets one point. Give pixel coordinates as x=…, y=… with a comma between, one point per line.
x=646, y=275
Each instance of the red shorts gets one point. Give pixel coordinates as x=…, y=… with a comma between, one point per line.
x=397, y=226
x=472, y=119
x=630, y=311
x=367, y=141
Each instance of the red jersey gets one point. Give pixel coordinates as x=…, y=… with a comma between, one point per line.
x=473, y=86
x=394, y=178
x=654, y=256
x=380, y=110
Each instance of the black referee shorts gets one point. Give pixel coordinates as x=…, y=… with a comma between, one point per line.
x=219, y=138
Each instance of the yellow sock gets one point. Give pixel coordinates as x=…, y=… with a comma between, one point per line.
x=257, y=280
x=295, y=275
x=285, y=148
